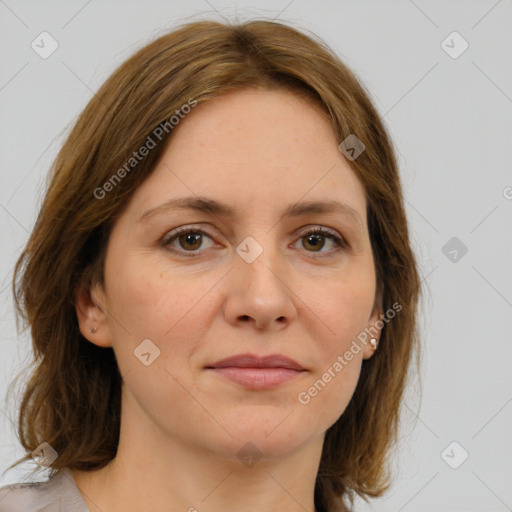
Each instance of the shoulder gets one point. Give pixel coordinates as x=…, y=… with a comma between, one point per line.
x=57, y=494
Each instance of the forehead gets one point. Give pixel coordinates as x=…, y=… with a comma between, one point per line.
x=257, y=150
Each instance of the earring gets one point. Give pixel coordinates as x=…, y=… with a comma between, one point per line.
x=374, y=342
x=93, y=329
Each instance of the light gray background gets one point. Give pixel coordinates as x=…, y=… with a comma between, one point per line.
x=451, y=122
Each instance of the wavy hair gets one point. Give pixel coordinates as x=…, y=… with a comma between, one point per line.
x=72, y=397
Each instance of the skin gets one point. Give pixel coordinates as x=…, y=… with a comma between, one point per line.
x=182, y=425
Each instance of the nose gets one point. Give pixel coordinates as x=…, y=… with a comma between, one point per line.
x=260, y=294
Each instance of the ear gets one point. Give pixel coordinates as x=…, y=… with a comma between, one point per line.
x=91, y=314
x=373, y=328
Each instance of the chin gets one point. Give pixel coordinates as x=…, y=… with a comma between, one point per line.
x=277, y=436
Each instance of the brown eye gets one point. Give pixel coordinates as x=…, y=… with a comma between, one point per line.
x=186, y=240
x=191, y=240
x=315, y=241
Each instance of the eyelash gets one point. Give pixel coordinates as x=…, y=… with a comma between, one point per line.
x=184, y=230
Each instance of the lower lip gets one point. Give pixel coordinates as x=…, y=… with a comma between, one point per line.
x=258, y=378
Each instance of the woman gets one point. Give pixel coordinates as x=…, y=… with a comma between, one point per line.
x=220, y=286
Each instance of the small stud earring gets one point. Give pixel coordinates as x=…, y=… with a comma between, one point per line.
x=93, y=329
x=374, y=342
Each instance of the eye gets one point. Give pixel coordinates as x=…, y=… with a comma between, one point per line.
x=315, y=239
x=187, y=241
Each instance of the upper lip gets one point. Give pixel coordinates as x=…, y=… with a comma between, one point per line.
x=255, y=361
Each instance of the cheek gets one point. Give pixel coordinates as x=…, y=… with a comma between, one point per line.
x=167, y=308
x=145, y=298
x=156, y=302
x=328, y=395
x=343, y=308
x=342, y=313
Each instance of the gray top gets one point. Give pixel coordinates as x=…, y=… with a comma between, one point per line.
x=58, y=494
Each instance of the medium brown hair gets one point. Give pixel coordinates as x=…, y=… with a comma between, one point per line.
x=73, y=397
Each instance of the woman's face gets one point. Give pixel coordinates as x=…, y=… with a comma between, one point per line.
x=251, y=280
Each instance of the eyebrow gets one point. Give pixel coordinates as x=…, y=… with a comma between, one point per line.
x=211, y=206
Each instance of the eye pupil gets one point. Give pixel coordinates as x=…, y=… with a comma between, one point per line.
x=317, y=241
x=191, y=238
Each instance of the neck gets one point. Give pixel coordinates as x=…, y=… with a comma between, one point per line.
x=161, y=473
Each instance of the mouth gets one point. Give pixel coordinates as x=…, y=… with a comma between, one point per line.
x=257, y=372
